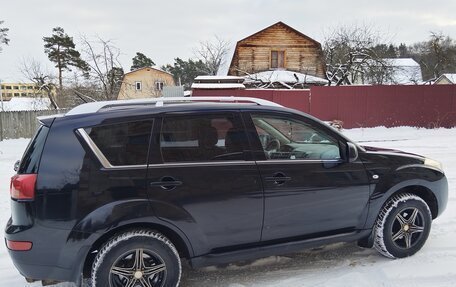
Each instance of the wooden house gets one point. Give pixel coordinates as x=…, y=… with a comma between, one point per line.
x=278, y=47
x=146, y=82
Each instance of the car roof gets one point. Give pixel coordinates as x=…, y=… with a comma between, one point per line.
x=94, y=107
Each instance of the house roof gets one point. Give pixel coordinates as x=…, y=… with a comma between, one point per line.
x=214, y=86
x=286, y=26
x=450, y=77
x=153, y=68
x=402, y=62
x=218, y=82
x=405, y=70
x=261, y=31
x=218, y=78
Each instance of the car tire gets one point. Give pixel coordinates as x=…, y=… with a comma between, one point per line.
x=138, y=256
x=402, y=226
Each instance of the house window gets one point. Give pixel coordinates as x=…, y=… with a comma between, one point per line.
x=159, y=86
x=16, y=87
x=277, y=59
x=138, y=86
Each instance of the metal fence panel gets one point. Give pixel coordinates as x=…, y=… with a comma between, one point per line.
x=22, y=124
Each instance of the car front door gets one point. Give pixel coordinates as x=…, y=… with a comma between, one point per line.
x=203, y=180
x=311, y=189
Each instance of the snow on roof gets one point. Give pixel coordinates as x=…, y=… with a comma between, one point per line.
x=402, y=62
x=405, y=71
x=26, y=104
x=224, y=69
x=217, y=78
x=284, y=76
x=217, y=86
x=451, y=77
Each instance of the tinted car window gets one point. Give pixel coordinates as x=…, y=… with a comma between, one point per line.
x=202, y=138
x=123, y=143
x=32, y=155
x=283, y=138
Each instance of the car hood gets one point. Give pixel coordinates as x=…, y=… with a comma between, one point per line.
x=386, y=151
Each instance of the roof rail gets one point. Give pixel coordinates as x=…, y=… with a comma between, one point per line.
x=96, y=106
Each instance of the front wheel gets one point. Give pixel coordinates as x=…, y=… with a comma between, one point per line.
x=139, y=258
x=402, y=226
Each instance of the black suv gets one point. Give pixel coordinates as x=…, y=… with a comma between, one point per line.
x=121, y=192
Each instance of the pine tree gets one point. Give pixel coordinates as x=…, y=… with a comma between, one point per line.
x=4, y=40
x=141, y=61
x=403, y=51
x=185, y=72
x=60, y=49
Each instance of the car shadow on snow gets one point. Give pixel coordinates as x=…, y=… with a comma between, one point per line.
x=309, y=263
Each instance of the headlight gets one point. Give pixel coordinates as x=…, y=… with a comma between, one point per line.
x=433, y=163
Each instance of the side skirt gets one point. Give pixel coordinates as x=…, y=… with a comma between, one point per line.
x=275, y=249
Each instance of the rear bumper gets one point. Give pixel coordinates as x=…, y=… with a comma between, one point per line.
x=52, y=257
x=39, y=272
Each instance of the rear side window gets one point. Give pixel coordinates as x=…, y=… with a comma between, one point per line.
x=31, y=159
x=202, y=138
x=123, y=143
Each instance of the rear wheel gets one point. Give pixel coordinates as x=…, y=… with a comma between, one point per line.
x=139, y=258
x=402, y=226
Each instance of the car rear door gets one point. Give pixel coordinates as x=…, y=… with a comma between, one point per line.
x=311, y=190
x=203, y=180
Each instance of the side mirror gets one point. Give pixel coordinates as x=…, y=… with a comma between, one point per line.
x=16, y=165
x=352, y=152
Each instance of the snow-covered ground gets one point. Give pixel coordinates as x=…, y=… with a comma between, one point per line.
x=26, y=104
x=336, y=265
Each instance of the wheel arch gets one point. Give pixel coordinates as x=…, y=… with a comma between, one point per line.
x=182, y=245
x=424, y=193
x=377, y=205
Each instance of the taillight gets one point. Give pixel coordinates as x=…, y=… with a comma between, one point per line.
x=19, y=245
x=23, y=186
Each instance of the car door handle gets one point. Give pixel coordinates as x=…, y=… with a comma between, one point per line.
x=166, y=183
x=278, y=178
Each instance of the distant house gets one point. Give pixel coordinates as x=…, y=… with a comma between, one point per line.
x=29, y=90
x=446, y=79
x=391, y=71
x=275, y=53
x=147, y=82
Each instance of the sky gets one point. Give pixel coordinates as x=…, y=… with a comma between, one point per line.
x=164, y=30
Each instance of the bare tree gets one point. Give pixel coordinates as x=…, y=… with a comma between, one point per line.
x=105, y=69
x=350, y=53
x=213, y=54
x=436, y=56
x=33, y=71
x=4, y=40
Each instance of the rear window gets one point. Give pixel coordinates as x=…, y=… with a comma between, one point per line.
x=31, y=159
x=123, y=143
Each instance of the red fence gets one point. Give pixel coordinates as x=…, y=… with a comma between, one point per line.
x=296, y=99
x=365, y=106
